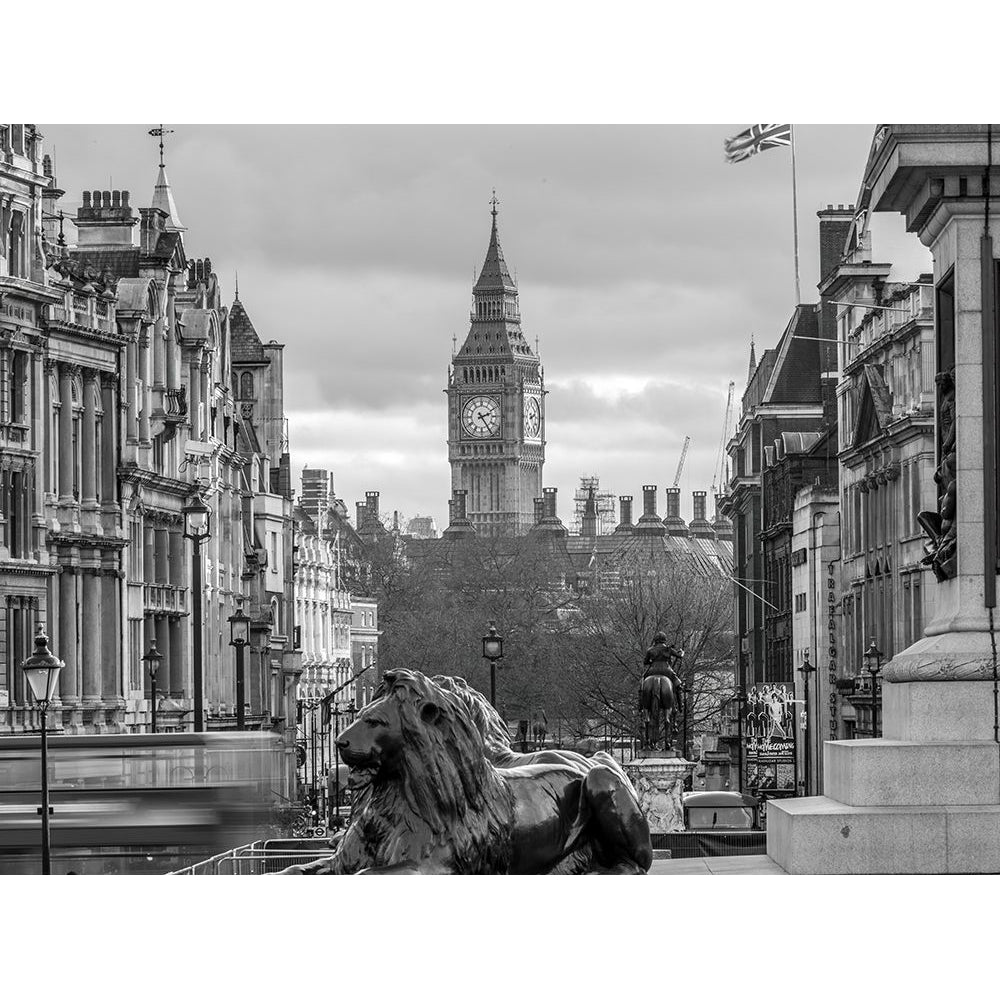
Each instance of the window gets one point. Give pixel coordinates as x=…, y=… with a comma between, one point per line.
x=800, y=602
x=246, y=385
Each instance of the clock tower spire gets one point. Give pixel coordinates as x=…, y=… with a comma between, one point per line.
x=496, y=405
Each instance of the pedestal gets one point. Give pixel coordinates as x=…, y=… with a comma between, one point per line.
x=659, y=782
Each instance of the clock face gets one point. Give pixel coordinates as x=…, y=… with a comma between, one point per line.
x=532, y=417
x=481, y=416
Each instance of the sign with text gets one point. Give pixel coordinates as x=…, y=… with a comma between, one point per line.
x=769, y=738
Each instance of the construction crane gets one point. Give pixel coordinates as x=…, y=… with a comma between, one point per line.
x=680, y=464
x=720, y=460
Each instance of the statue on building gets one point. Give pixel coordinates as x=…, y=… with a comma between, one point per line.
x=660, y=693
x=941, y=525
x=429, y=799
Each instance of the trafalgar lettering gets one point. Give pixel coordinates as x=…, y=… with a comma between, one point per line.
x=831, y=609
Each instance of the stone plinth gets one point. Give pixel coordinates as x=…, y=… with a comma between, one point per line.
x=659, y=782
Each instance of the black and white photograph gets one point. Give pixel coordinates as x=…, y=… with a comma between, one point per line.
x=410, y=467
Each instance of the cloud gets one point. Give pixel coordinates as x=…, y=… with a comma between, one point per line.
x=644, y=261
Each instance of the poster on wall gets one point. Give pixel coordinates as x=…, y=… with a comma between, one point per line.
x=769, y=739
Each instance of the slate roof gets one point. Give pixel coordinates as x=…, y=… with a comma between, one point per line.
x=245, y=344
x=121, y=263
x=797, y=377
x=494, y=276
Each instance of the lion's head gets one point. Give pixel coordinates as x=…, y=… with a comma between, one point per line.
x=419, y=748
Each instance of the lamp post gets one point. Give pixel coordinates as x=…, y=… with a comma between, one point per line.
x=806, y=669
x=335, y=812
x=686, y=689
x=153, y=657
x=740, y=701
x=873, y=657
x=493, y=651
x=197, y=527
x=239, y=636
x=41, y=670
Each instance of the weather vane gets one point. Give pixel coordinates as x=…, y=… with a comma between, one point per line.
x=159, y=133
x=494, y=203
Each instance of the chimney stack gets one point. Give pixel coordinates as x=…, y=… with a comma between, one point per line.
x=539, y=509
x=105, y=220
x=459, y=524
x=700, y=527
x=359, y=516
x=649, y=523
x=721, y=524
x=550, y=525
x=625, y=526
x=673, y=522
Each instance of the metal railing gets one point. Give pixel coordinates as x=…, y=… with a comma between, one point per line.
x=262, y=857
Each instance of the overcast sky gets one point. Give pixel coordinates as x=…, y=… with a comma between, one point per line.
x=644, y=262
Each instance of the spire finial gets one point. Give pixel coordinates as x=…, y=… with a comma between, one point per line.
x=237, y=286
x=159, y=133
x=493, y=210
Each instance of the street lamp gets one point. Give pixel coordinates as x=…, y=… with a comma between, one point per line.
x=153, y=658
x=197, y=527
x=686, y=689
x=41, y=670
x=873, y=657
x=239, y=636
x=806, y=669
x=493, y=651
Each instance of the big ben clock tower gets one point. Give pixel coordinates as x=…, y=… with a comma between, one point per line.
x=496, y=406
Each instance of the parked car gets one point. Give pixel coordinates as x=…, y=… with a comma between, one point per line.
x=704, y=811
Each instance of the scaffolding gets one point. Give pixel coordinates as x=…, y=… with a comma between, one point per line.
x=604, y=501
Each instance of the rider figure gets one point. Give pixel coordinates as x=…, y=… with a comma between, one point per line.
x=658, y=662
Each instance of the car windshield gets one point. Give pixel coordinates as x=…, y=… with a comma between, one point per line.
x=720, y=818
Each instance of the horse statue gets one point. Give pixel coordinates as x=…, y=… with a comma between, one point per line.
x=660, y=693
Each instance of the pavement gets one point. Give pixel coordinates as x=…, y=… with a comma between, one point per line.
x=747, y=864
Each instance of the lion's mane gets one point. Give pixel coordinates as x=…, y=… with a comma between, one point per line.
x=448, y=798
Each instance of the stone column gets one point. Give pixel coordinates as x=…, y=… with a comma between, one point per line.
x=179, y=686
x=109, y=450
x=144, y=375
x=159, y=355
x=163, y=680
x=69, y=689
x=88, y=454
x=111, y=632
x=91, y=636
x=194, y=402
x=206, y=397
x=66, y=458
x=131, y=382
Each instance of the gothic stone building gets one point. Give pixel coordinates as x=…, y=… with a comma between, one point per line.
x=496, y=406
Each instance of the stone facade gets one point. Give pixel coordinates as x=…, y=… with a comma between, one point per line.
x=117, y=404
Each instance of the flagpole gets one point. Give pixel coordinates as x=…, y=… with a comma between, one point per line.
x=795, y=216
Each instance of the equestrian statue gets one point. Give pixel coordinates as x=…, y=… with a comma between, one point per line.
x=660, y=693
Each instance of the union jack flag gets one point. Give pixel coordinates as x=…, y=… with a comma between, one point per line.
x=755, y=139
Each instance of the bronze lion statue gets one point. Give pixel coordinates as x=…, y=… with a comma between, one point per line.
x=438, y=791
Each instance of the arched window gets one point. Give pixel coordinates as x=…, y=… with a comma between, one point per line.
x=246, y=386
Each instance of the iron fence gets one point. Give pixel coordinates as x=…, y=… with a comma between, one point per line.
x=262, y=857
